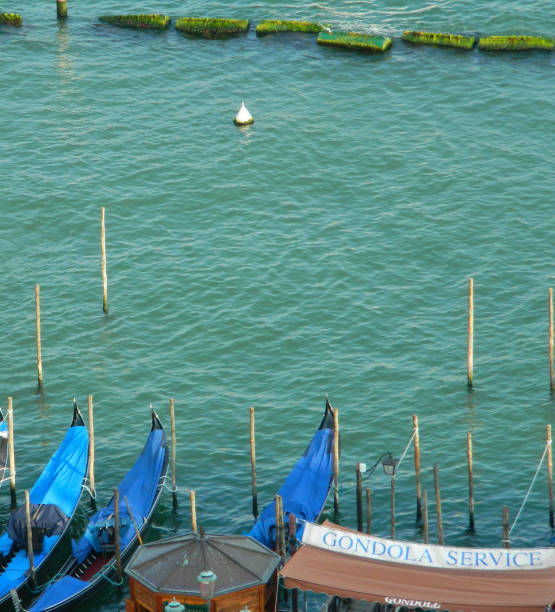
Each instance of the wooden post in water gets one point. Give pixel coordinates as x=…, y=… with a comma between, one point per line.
x=393, y=507
x=292, y=549
x=103, y=258
x=368, y=511
x=506, y=540
x=253, y=466
x=37, y=327
x=438, y=506
x=11, y=452
x=61, y=8
x=417, y=469
x=174, y=478
x=550, y=475
x=29, y=537
x=280, y=531
x=425, y=516
x=470, y=351
x=551, y=379
x=359, y=497
x=470, y=482
x=336, y=460
x=116, y=529
x=91, y=449
x=292, y=533
x=193, y=510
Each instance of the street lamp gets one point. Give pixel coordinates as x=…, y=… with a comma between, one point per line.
x=207, y=584
x=174, y=606
x=389, y=464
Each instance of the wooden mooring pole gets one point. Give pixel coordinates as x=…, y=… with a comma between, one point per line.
x=359, y=497
x=253, y=465
x=174, y=477
x=37, y=327
x=471, y=523
x=103, y=258
x=116, y=529
x=192, y=499
x=368, y=511
x=29, y=537
x=438, y=506
x=550, y=308
x=11, y=452
x=506, y=540
x=61, y=8
x=550, y=475
x=280, y=528
x=336, y=460
x=425, y=516
x=91, y=449
x=392, y=507
x=417, y=469
x=470, y=351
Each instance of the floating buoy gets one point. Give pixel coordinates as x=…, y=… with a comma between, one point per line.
x=243, y=117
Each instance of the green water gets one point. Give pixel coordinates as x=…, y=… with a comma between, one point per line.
x=324, y=250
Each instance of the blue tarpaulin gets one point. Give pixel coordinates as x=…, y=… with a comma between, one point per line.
x=59, y=484
x=305, y=490
x=139, y=486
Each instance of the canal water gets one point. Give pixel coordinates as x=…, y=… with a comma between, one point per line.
x=324, y=250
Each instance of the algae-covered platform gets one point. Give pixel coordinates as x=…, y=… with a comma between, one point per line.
x=140, y=22
x=12, y=19
x=515, y=43
x=354, y=40
x=270, y=26
x=438, y=39
x=208, y=27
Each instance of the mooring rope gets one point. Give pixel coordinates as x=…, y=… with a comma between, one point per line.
x=406, y=449
x=530, y=487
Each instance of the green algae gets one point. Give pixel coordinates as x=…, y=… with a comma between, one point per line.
x=354, y=40
x=12, y=19
x=211, y=28
x=140, y=22
x=270, y=26
x=441, y=40
x=515, y=43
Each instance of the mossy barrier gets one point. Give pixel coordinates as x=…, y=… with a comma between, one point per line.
x=12, y=19
x=139, y=22
x=270, y=26
x=211, y=28
x=515, y=43
x=441, y=40
x=353, y=40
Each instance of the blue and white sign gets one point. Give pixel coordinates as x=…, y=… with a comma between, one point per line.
x=427, y=555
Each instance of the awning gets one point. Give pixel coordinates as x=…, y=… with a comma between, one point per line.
x=335, y=573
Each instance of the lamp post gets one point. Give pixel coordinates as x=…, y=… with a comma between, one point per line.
x=174, y=606
x=207, y=585
x=389, y=464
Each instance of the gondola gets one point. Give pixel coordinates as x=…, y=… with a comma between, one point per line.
x=53, y=501
x=3, y=446
x=93, y=556
x=306, y=489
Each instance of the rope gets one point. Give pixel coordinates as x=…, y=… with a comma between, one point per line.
x=119, y=583
x=90, y=492
x=530, y=487
x=406, y=449
x=173, y=490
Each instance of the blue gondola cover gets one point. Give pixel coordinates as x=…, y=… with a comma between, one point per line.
x=305, y=490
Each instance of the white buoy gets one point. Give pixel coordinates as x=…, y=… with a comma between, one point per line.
x=243, y=117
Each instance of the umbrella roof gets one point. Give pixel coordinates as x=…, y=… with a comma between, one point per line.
x=172, y=565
